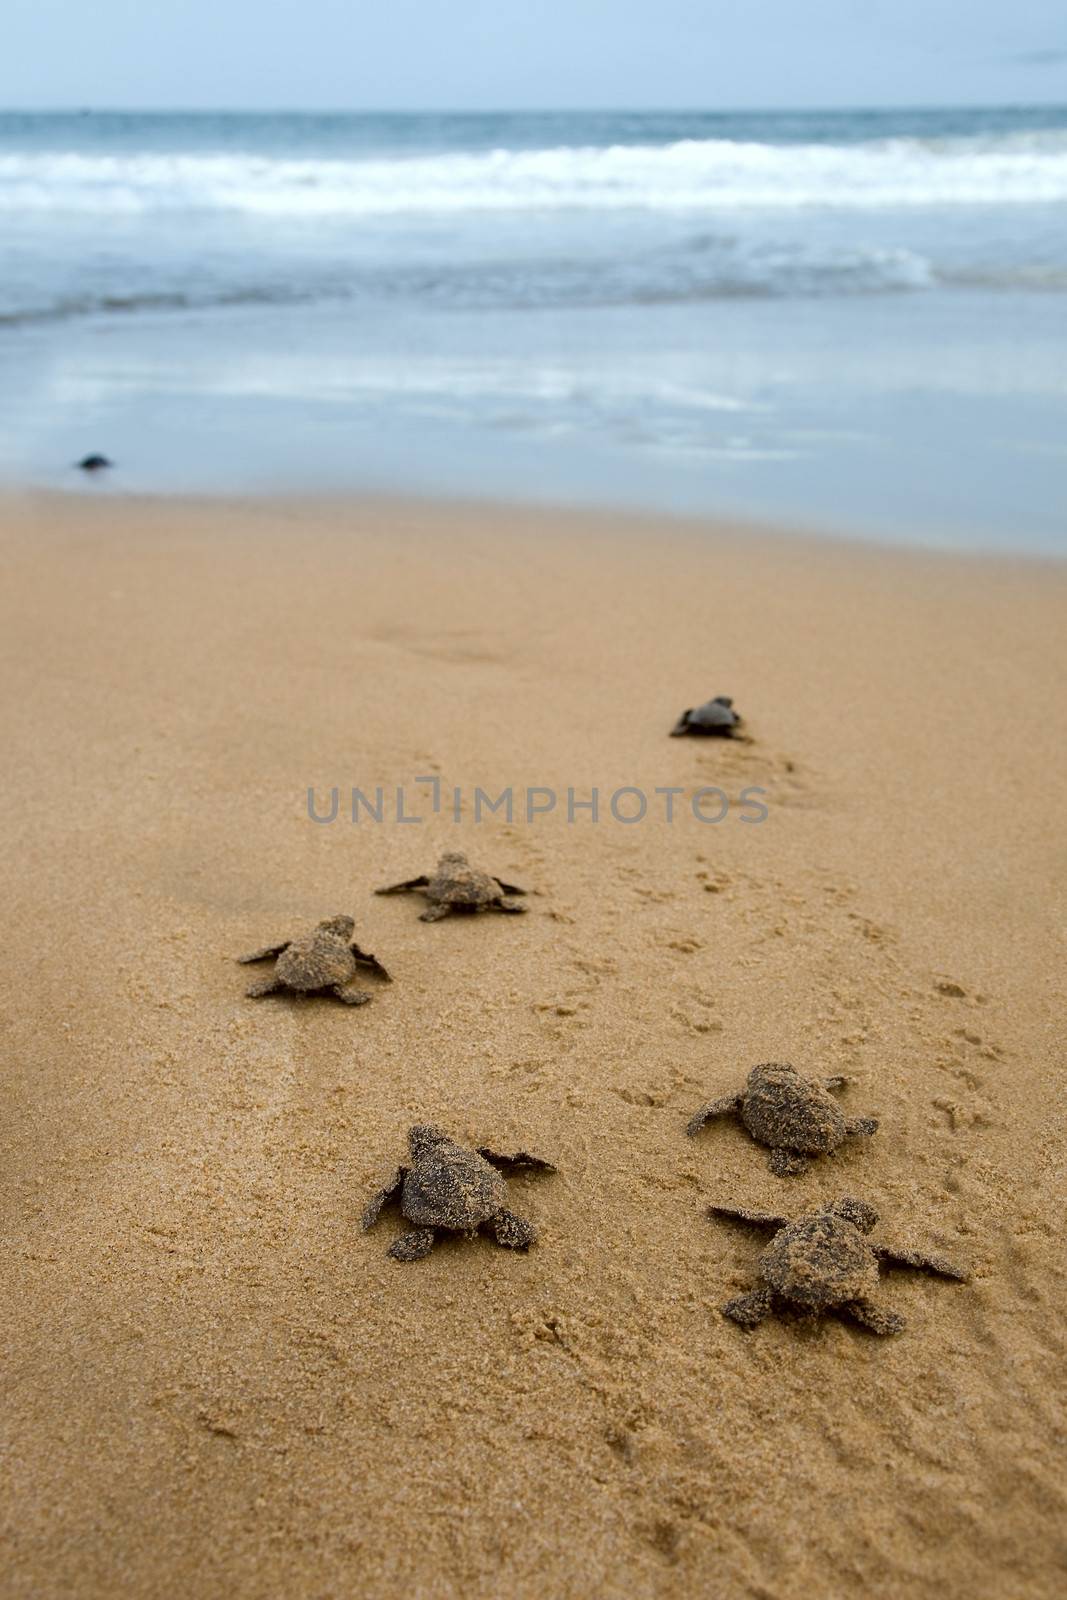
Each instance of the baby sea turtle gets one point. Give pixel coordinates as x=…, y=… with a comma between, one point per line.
x=457, y=886
x=715, y=717
x=326, y=960
x=94, y=463
x=452, y=1189
x=796, y=1117
x=824, y=1262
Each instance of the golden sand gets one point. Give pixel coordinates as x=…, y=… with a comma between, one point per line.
x=213, y=1382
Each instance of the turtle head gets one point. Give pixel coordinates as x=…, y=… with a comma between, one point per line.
x=424, y=1137
x=453, y=858
x=858, y=1212
x=343, y=927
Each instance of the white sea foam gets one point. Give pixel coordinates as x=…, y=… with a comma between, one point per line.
x=696, y=175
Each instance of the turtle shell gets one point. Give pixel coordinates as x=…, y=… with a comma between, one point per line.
x=457, y=883
x=449, y=1187
x=821, y=1261
x=317, y=961
x=783, y=1110
x=717, y=713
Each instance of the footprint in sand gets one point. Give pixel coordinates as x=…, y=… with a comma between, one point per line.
x=695, y=1013
x=960, y=1114
x=951, y=990
x=454, y=646
x=735, y=765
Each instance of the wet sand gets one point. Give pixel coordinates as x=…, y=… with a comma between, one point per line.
x=213, y=1382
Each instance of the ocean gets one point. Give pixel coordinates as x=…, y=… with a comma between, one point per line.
x=848, y=321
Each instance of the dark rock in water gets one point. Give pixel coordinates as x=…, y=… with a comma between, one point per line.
x=94, y=463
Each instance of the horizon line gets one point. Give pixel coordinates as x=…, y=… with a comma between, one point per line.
x=84, y=110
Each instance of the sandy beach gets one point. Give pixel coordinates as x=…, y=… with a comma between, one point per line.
x=213, y=1381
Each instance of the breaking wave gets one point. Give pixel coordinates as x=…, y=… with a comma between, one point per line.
x=688, y=175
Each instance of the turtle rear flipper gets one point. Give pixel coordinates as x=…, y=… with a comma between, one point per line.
x=923, y=1261
x=749, y=1309
x=714, y=1108
x=413, y=1246
x=861, y=1127
x=872, y=1316
x=788, y=1163
x=265, y=986
x=351, y=993
x=435, y=913
x=388, y=1191
x=513, y=1232
x=267, y=951
x=406, y=887
x=365, y=960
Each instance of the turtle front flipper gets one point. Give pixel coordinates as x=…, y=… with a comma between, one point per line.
x=788, y=1163
x=388, y=1191
x=351, y=993
x=758, y=1219
x=922, y=1261
x=872, y=1316
x=749, y=1309
x=714, y=1108
x=406, y=887
x=520, y=1159
x=861, y=1127
x=682, y=725
x=365, y=960
x=509, y=888
x=265, y=986
x=837, y=1082
x=436, y=912
x=267, y=951
x=513, y=1232
x=414, y=1245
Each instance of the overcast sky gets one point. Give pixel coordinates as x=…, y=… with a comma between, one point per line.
x=483, y=54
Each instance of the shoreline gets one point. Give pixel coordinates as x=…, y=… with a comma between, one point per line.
x=212, y=1372
x=828, y=448
x=602, y=519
